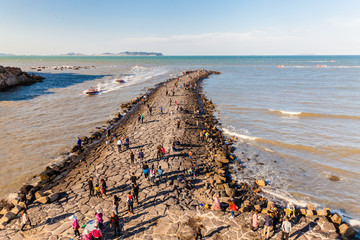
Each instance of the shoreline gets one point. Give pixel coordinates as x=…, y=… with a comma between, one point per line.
x=214, y=161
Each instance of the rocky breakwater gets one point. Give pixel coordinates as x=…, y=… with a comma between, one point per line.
x=171, y=208
x=11, y=77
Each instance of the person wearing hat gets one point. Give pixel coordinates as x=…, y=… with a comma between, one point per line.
x=75, y=225
x=87, y=235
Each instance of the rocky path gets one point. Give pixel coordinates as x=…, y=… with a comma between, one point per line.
x=167, y=210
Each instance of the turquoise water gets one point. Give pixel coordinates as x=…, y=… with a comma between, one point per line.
x=299, y=116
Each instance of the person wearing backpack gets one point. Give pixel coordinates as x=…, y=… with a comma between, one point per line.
x=130, y=202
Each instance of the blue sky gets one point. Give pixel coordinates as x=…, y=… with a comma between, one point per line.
x=197, y=27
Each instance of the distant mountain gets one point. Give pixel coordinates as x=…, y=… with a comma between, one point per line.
x=127, y=53
x=72, y=54
x=5, y=54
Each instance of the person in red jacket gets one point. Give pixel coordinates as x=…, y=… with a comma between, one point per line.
x=232, y=208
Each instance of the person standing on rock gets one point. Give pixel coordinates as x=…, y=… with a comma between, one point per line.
x=232, y=208
x=142, y=118
x=75, y=225
x=79, y=144
x=133, y=178
x=99, y=218
x=163, y=152
x=152, y=174
x=141, y=156
x=103, y=187
x=130, y=203
x=146, y=171
x=91, y=186
x=254, y=221
x=135, y=189
x=108, y=133
x=115, y=223
x=25, y=220
x=268, y=225
x=276, y=217
x=116, y=204
x=132, y=157
x=160, y=173
x=150, y=110
x=178, y=123
x=119, y=143
x=161, y=110
x=285, y=229
x=198, y=233
x=127, y=142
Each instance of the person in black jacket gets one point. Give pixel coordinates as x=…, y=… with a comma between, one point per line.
x=91, y=186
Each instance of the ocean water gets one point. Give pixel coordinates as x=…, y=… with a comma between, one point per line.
x=297, y=118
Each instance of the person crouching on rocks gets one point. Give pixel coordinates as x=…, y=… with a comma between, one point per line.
x=290, y=209
x=96, y=233
x=75, y=225
x=97, y=191
x=217, y=205
x=232, y=208
x=87, y=235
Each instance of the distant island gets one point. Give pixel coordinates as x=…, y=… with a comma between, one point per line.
x=127, y=53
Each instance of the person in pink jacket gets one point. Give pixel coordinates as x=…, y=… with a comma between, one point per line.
x=87, y=235
x=75, y=225
x=96, y=233
x=99, y=218
x=254, y=221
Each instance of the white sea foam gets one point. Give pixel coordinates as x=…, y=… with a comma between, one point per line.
x=242, y=136
x=136, y=75
x=285, y=112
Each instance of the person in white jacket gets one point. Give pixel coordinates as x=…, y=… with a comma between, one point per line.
x=285, y=229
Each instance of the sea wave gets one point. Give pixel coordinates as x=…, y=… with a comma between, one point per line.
x=296, y=113
x=286, y=112
x=340, y=150
x=136, y=75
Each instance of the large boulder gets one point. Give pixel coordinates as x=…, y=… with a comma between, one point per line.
x=336, y=219
x=347, y=231
x=11, y=77
x=260, y=182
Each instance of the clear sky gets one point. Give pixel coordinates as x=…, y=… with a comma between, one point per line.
x=182, y=27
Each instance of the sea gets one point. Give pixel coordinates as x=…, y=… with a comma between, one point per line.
x=296, y=118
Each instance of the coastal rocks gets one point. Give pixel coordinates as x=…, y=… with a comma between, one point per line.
x=260, y=182
x=336, y=219
x=347, y=231
x=12, y=77
x=334, y=178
